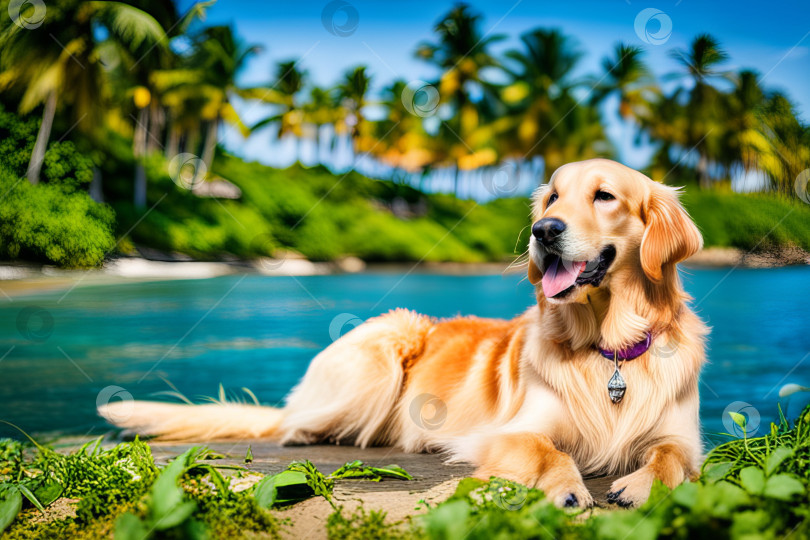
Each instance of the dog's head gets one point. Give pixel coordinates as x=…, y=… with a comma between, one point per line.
x=597, y=217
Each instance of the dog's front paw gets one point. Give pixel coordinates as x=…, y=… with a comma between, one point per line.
x=565, y=489
x=631, y=490
x=570, y=496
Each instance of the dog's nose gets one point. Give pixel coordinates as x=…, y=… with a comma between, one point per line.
x=547, y=230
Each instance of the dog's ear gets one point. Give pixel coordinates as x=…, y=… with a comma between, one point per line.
x=671, y=236
x=534, y=273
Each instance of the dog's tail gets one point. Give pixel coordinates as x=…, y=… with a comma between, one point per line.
x=176, y=421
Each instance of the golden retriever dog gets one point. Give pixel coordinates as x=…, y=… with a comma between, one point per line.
x=526, y=399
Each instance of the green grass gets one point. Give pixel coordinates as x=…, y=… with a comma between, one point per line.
x=748, y=488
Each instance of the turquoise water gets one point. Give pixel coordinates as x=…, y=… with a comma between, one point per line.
x=62, y=354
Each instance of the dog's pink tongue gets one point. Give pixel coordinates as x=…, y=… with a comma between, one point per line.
x=560, y=275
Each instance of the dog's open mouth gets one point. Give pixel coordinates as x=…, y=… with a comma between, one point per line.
x=561, y=276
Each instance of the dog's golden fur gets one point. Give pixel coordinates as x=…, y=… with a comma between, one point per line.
x=524, y=399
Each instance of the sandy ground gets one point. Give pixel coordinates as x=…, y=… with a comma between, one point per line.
x=724, y=257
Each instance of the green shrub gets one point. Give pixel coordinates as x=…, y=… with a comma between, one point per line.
x=45, y=223
x=63, y=163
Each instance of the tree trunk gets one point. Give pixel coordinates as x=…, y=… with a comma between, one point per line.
x=139, y=139
x=317, y=142
x=156, y=121
x=96, y=191
x=456, y=177
x=172, y=141
x=138, y=150
x=210, y=145
x=44, y=134
x=703, y=171
x=192, y=141
x=140, y=186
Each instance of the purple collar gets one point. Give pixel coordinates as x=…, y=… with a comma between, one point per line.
x=631, y=352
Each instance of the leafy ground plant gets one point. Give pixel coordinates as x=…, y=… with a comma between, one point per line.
x=749, y=488
x=122, y=493
x=303, y=480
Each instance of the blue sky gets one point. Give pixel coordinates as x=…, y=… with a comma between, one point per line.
x=773, y=38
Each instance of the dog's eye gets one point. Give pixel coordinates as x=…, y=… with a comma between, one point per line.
x=603, y=196
x=551, y=199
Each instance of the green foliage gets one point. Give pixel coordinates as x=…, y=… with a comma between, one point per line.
x=322, y=216
x=43, y=223
x=754, y=488
x=785, y=450
x=362, y=524
x=63, y=165
x=166, y=506
x=302, y=480
x=17, y=136
x=357, y=469
x=749, y=488
x=500, y=508
x=120, y=491
x=325, y=216
x=749, y=221
x=54, y=222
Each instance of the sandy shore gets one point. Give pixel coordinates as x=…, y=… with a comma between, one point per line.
x=20, y=279
x=720, y=257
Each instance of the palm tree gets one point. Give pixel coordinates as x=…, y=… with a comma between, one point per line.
x=540, y=96
x=319, y=110
x=462, y=53
x=205, y=84
x=666, y=125
x=220, y=57
x=352, y=91
x=626, y=76
x=789, y=142
x=60, y=61
x=742, y=140
x=402, y=141
x=701, y=61
x=290, y=80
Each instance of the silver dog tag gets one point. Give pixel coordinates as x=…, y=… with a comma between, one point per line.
x=616, y=387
